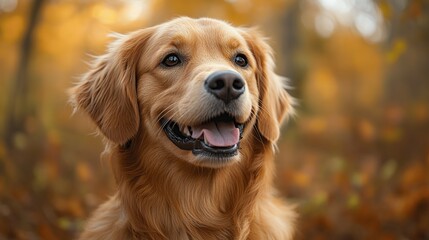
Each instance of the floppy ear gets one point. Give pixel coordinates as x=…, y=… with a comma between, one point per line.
x=274, y=102
x=108, y=91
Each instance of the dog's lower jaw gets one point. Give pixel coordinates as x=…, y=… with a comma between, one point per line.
x=175, y=200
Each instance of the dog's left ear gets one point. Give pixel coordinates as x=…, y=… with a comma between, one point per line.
x=108, y=91
x=274, y=102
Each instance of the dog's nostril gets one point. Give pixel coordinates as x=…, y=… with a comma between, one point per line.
x=217, y=84
x=238, y=84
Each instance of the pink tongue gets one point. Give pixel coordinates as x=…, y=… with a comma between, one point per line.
x=218, y=134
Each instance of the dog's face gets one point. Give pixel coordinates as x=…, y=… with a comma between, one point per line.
x=198, y=87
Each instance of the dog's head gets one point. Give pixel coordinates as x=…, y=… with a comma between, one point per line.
x=198, y=87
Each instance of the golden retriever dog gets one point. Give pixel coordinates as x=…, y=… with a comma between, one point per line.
x=191, y=112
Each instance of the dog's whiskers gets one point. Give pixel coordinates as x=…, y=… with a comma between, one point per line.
x=162, y=115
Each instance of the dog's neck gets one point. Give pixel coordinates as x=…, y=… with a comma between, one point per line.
x=207, y=203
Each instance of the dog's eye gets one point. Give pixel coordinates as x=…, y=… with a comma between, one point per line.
x=171, y=60
x=241, y=60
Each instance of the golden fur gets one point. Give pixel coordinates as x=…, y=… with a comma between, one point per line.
x=165, y=192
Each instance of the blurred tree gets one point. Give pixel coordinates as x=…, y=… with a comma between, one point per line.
x=18, y=108
x=290, y=37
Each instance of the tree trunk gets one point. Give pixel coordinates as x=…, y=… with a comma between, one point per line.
x=17, y=109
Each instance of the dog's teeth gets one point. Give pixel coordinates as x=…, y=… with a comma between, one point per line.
x=206, y=142
x=190, y=130
x=185, y=131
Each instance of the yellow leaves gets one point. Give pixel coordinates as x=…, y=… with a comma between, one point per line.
x=385, y=9
x=313, y=126
x=64, y=223
x=353, y=200
x=399, y=47
x=301, y=179
x=415, y=201
x=45, y=173
x=348, y=70
x=45, y=232
x=357, y=179
x=388, y=170
x=415, y=9
x=104, y=13
x=71, y=206
x=320, y=198
x=137, y=10
x=111, y=14
x=411, y=203
x=238, y=12
x=414, y=175
x=60, y=12
x=58, y=35
x=121, y=13
x=11, y=28
x=367, y=130
x=321, y=88
x=83, y=171
x=20, y=140
x=420, y=112
x=393, y=115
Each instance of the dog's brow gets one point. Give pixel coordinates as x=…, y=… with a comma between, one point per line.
x=178, y=41
x=233, y=43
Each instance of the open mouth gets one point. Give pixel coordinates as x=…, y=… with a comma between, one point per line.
x=219, y=137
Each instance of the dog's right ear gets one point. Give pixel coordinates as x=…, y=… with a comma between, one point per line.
x=107, y=92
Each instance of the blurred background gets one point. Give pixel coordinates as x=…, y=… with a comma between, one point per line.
x=355, y=160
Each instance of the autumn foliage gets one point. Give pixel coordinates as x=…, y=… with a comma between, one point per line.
x=355, y=159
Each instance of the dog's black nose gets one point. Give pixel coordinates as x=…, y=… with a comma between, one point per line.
x=225, y=85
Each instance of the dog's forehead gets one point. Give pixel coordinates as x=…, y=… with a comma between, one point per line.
x=186, y=30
